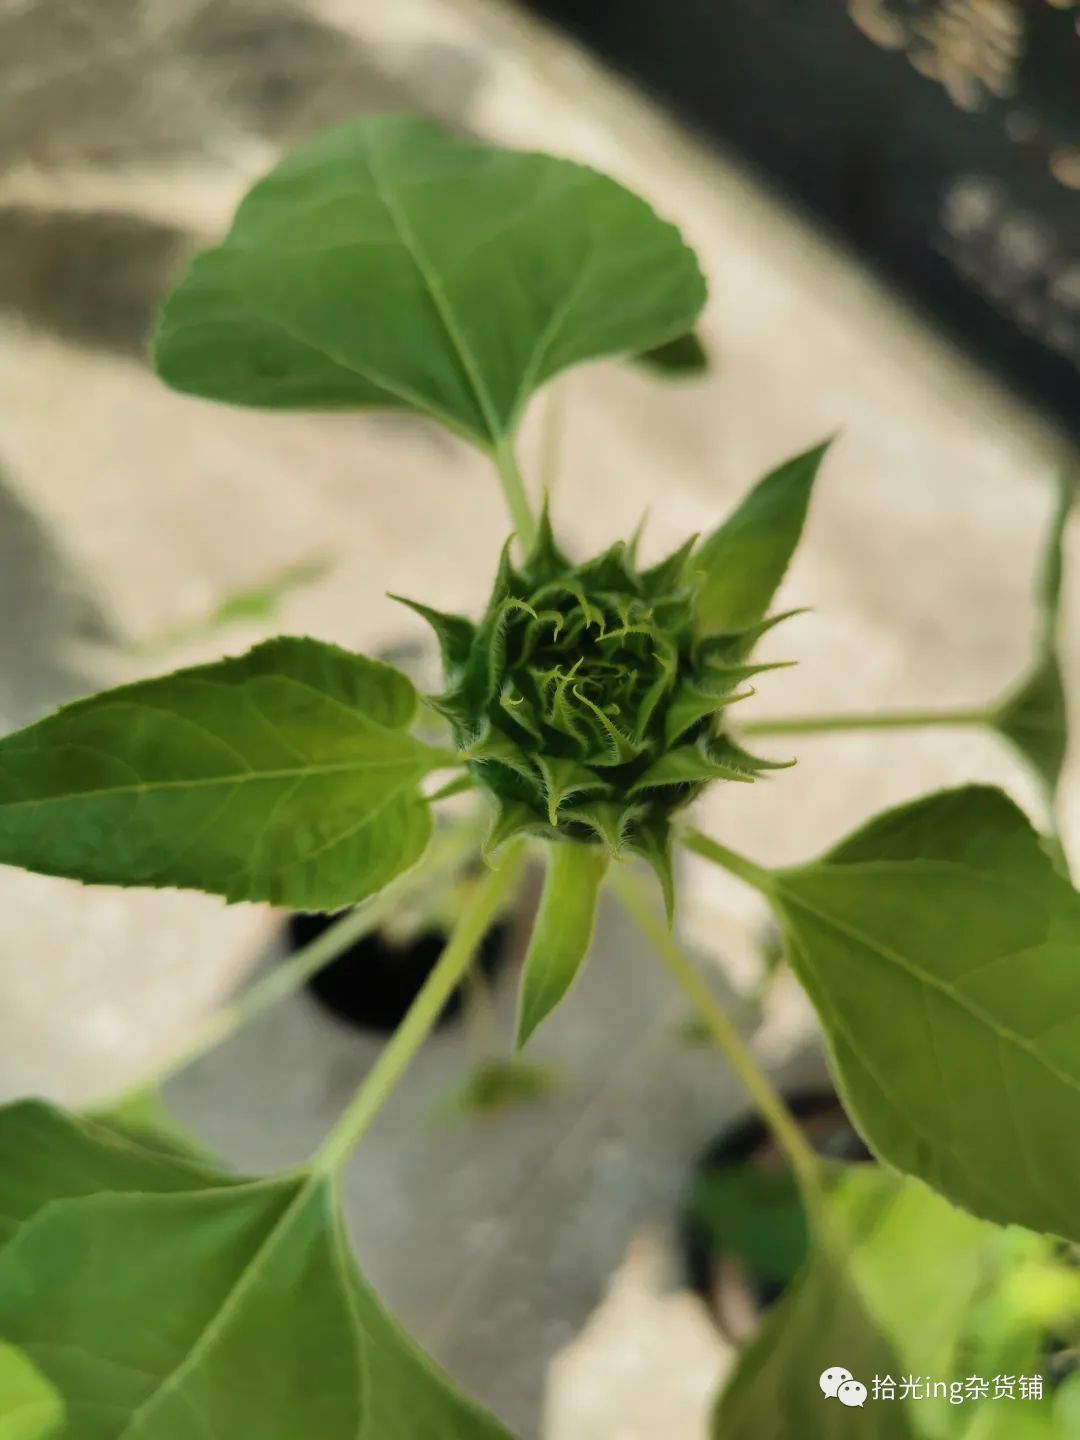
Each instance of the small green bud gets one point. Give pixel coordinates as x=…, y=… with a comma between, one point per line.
x=586, y=702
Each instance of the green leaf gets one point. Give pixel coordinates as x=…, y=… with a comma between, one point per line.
x=689, y=705
x=651, y=839
x=564, y=778
x=263, y=602
x=754, y=1214
x=234, y=1310
x=563, y=930
x=454, y=633
x=30, y=1409
x=690, y=765
x=142, y=1116
x=388, y=263
x=611, y=823
x=668, y=575
x=509, y=819
x=1033, y=718
x=742, y=563
x=286, y=775
x=47, y=1155
x=545, y=562
x=717, y=758
x=258, y=604
x=723, y=653
x=496, y=1085
x=942, y=952
x=685, y=356
x=888, y=1295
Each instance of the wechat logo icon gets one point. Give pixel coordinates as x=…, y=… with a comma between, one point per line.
x=839, y=1384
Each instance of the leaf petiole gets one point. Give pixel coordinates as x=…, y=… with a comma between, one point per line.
x=800, y=1156
x=873, y=720
x=422, y=1015
x=446, y=852
x=710, y=849
x=513, y=488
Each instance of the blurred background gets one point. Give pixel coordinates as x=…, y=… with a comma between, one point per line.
x=885, y=195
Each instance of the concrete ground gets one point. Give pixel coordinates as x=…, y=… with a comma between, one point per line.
x=127, y=512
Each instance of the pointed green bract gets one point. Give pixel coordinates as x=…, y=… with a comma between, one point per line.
x=652, y=840
x=740, y=565
x=390, y=263
x=454, y=633
x=691, y=704
x=225, y=1309
x=689, y=765
x=286, y=775
x=942, y=951
x=562, y=932
x=683, y=357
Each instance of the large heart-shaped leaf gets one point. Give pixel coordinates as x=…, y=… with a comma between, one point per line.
x=942, y=951
x=389, y=263
x=218, y=1309
x=889, y=1294
x=286, y=775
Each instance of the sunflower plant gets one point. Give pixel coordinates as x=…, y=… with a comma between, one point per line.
x=148, y=1294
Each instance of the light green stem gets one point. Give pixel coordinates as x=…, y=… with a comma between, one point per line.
x=446, y=853
x=550, y=440
x=755, y=875
x=800, y=1155
x=897, y=720
x=517, y=501
x=420, y=1019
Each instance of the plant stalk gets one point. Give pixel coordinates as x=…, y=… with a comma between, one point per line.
x=746, y=869
x=785, y=1128
x=513, y=487
x=446, y=852
x=897, y=720
x=422, y=1015
x=550, y=441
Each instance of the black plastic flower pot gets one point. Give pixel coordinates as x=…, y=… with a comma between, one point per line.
x=743, y=1230
x=372, y=984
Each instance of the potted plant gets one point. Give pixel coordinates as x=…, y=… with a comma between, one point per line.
x=145, y=1292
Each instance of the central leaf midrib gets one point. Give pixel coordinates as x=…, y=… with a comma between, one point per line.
x=934, y=982
x=298, y=772
x=840, y=1026
x=210, y=1331
x=432, y=283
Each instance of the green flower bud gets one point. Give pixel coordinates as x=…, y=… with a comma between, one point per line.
x=587, y=704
